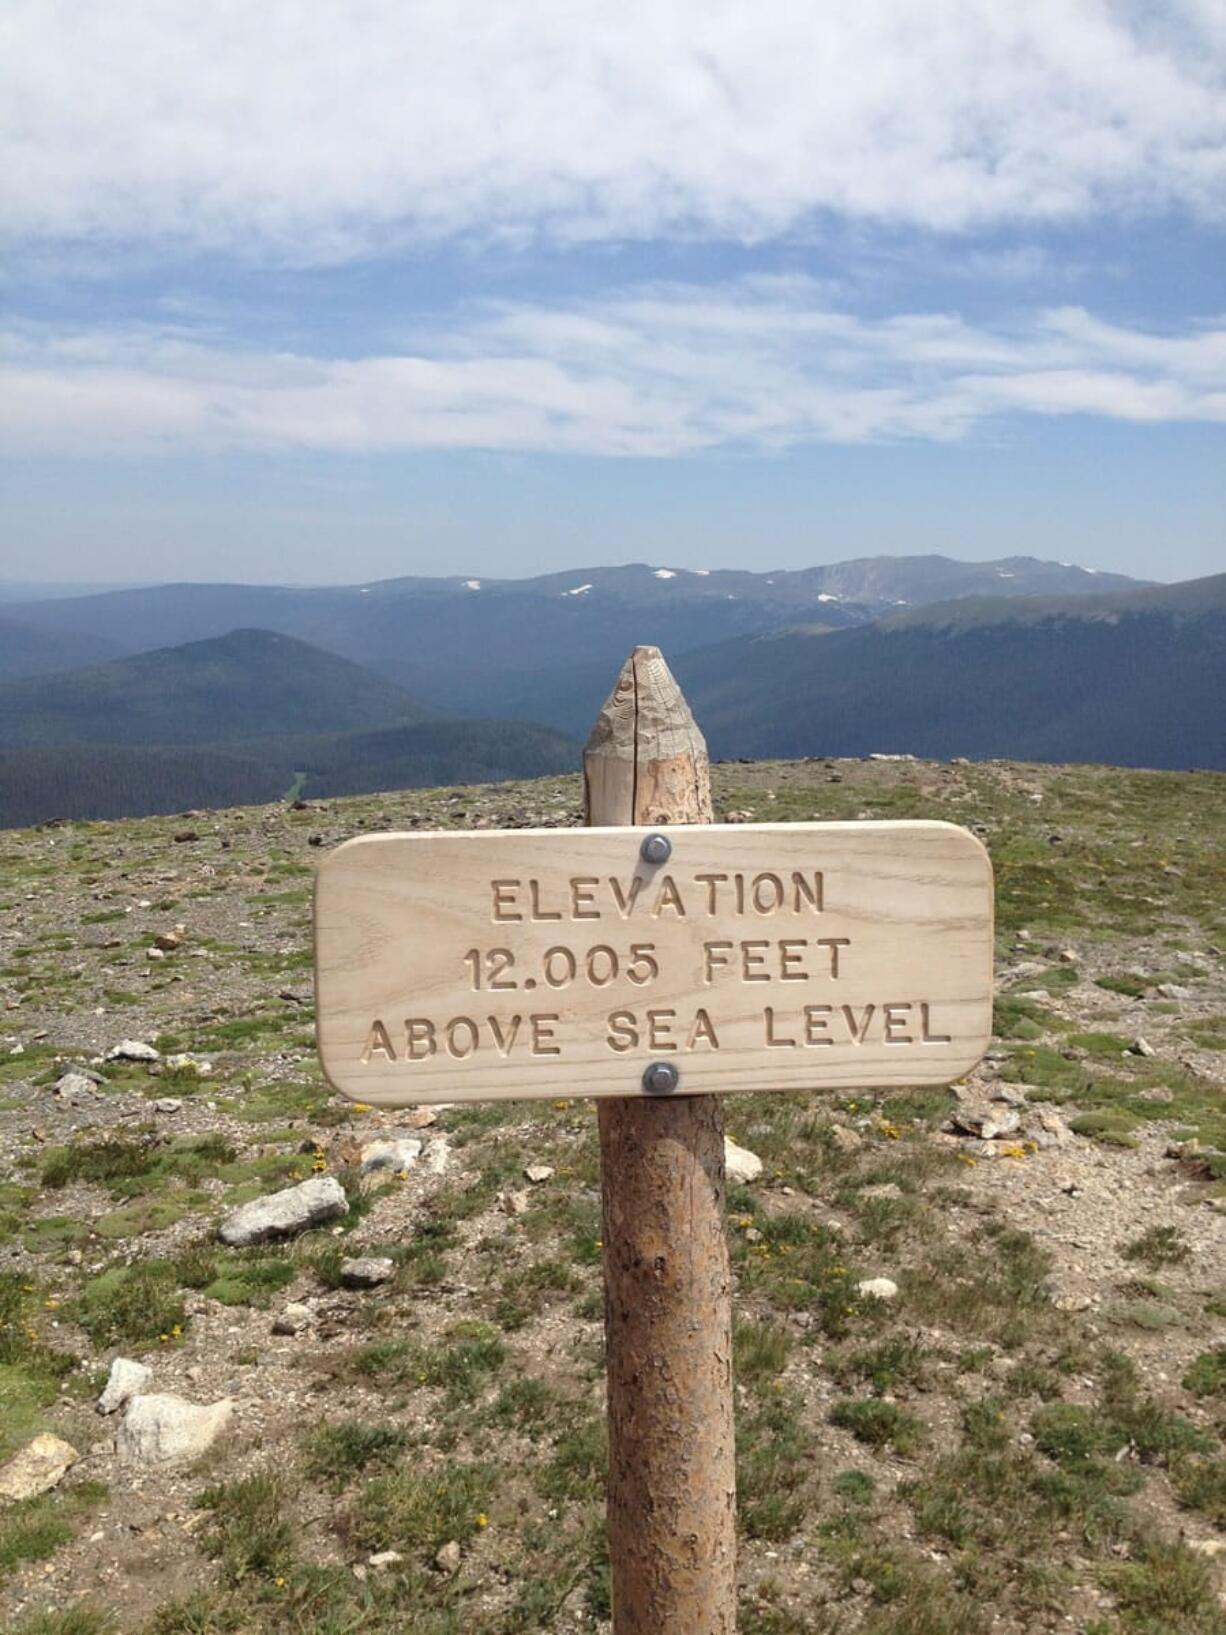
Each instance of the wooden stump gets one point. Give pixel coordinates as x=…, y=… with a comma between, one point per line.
x=668, y=1310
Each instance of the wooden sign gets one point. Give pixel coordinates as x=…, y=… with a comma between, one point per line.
x=497, y=965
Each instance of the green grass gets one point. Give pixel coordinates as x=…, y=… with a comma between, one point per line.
x=1207, y=1375
x=78, y=1620
x=251, y=1532
x=137, y=1306
x=31, y=1370
x=879, y=1424
x=774, y=1453
x=34, y=1529
x=338, y=1453
x=760, y=1351
x=129, y=1167
x=418, y=1511
x=248, y=1277
x=1158, y=1246
x=460, y=1363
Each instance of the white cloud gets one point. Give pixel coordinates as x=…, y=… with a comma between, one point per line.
x=319, y=132
x=658, y=371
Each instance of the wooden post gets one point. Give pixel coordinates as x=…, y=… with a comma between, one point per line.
x=668, y=1287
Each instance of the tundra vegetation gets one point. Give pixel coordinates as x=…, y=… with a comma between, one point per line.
x=1020, y=1429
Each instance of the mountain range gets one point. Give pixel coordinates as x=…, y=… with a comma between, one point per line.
x=459, y=643
x=1136, y=678
x=154, y=698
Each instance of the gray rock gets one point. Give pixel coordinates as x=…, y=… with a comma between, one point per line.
x=38, y=1467
x=292, y=1319
x=989, y=1123
x=845, y=1140
x=367, y=1271
x=740, y=1164
x=514, y=1203
x=981, y=1149
x=1174, y=990
x=127, y=1379
x=1051, y=1131
x=168, y=1104
x=74, y=1087
x=1013, y=1095
x=877, y=1288
x=393, y=1153
x=163, y=1429
x=133, y=1050
x=283, y=1214
x=1141, y=1047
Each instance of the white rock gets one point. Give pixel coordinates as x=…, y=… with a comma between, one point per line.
x=162, y=1429
x=740, y=1164
x=292, y=1319
x=127, y=1379
x=877, y=1288
x=133, y=1050
x=438, y=1156
x=367, y=1271
x=154, y=953
x=448, y=1558
x=391, y=1153
x=282, y=1214
x=536, y=1173
x=41, y=1465
x=1141, y=1047
x=384, y=1558
x=514, y=1203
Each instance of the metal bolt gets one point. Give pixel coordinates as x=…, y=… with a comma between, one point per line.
x=656, y=849
x=660, y=1078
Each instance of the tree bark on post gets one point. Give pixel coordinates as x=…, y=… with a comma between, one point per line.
x=668, y=1307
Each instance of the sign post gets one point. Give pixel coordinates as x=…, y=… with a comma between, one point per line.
x=668, y=1284
x=656, y=966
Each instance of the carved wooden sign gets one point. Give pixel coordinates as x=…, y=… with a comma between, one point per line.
x=499, y=965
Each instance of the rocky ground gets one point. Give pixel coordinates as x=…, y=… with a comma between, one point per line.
x=981, y=1333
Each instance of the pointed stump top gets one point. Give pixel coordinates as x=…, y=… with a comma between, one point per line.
x=646, y=760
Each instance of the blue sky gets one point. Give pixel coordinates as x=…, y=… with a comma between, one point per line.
x=335, y=293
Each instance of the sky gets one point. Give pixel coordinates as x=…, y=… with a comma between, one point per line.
x=319, y=294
